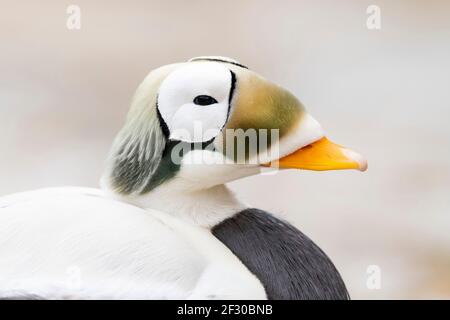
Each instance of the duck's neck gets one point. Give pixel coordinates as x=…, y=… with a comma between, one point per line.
x=205, y=207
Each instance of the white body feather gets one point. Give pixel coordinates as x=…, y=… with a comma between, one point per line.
x=78, y=243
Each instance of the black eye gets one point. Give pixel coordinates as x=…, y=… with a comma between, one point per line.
x=204, y=100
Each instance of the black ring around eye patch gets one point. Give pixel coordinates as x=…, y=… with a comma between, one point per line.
x=204, y=100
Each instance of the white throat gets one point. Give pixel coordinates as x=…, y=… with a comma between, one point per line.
x=205, y=207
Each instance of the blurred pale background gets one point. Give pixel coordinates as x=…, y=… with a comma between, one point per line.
x=385, y=93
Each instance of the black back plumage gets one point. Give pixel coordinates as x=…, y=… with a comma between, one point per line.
x=288, y=263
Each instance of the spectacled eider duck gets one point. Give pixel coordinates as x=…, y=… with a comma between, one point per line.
x=164, y=225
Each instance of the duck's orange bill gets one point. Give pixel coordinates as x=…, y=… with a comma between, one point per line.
x=322, y=155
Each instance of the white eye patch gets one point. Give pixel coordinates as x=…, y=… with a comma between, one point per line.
x=194, y=100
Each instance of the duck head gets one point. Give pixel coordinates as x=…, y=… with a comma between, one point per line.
x=211, y=120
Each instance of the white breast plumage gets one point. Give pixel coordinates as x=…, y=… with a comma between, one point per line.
x=75, y=243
